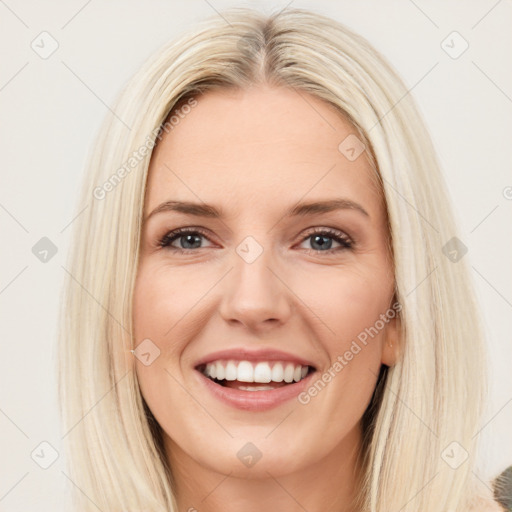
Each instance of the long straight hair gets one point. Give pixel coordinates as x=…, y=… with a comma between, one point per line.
x=425, y=409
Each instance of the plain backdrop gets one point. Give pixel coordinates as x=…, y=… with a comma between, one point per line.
x=52, y=108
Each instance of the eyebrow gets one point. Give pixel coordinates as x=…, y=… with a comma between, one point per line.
x=299, y=210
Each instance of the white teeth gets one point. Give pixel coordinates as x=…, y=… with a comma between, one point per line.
x=262, y=372
x=245, y=372
x=220, y=371
x=212, y=370
x=230, y=371
x=255, y=388
x=288, y=372
x=278, y=373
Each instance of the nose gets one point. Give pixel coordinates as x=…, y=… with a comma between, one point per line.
x=255, y=295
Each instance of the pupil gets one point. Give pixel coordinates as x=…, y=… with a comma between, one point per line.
x=188, y=239
x=322, y=245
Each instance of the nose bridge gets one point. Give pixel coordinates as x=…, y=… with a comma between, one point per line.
x=253, y=293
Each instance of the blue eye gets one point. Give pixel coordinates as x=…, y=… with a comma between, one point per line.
x=188, y=237
x=322, y=238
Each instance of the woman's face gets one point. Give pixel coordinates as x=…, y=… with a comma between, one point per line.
x=260, y=272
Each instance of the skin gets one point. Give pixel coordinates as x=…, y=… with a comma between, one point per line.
x=255, y=154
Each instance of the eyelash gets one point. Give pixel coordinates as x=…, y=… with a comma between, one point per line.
x=338, y=236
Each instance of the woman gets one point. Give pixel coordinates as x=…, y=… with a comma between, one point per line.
x=261, y=310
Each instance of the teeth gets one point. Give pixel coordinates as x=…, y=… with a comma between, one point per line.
x=277, y=373
x=262, y=372
x=220, y=371
x=230, y=373
x=255, y=388
x=245, y=372
x=288, y=373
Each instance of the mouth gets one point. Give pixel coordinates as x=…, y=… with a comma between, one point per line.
x=250, y=376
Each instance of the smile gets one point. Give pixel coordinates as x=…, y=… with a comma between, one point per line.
x=252, y=385
x=230, y=372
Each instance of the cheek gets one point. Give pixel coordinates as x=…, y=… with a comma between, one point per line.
x=350, y=304
x=163, y=300
x=168, y=309
x=349, y=301
x=160, y=304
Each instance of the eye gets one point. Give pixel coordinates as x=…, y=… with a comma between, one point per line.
x=321, y=241
x=188, y=238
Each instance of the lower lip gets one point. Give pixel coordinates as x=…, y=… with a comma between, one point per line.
x=255, y=400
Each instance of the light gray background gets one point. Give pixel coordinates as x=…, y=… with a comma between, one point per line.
x=51, y=109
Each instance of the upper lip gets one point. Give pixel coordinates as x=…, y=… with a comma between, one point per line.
x=262, y=354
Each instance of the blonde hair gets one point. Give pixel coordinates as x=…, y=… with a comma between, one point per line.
x=430, y=399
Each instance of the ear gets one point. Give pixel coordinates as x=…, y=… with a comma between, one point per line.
x=391, y=342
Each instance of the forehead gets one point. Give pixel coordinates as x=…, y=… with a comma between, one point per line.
x=258, y=148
